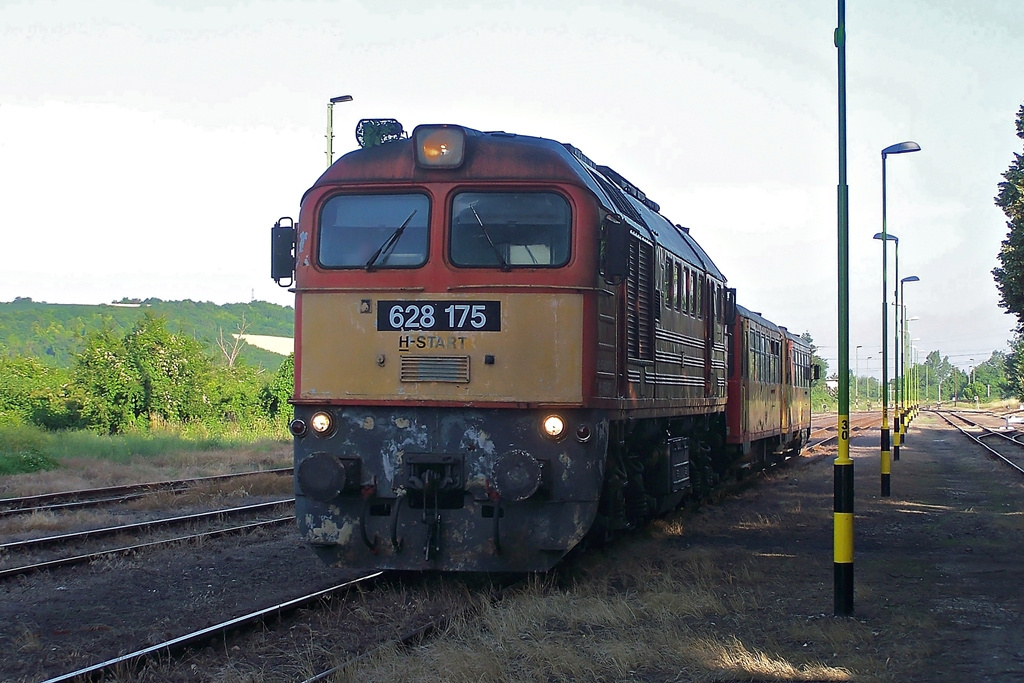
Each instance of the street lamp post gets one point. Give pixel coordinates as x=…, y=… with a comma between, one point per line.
x=856, y=376
x=902, y=362
x=884, y=391
x=867, y=362
x=330, y=125
x=914, y=381
x=915, y=374
x=898, y=148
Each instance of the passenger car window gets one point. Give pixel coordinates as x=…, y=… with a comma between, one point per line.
x=510, y=230
x=374, y=231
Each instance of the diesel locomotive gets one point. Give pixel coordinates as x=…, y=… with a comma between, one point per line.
x=502, y=347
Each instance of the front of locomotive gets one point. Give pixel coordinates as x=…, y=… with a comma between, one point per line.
x=444, y=287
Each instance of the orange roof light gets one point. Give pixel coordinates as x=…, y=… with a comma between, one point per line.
x=440, y=146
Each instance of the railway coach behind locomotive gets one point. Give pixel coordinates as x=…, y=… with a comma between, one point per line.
x=500, y=347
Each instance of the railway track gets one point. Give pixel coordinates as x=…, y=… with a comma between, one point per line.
x=825, y=434
x=108, y=495
x=171, y=652
x=1003, y=446
x=70, y=539
x=131, y=661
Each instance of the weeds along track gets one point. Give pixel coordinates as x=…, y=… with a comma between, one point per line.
x=1003, y=444
x=79, y=539
x=109, y=495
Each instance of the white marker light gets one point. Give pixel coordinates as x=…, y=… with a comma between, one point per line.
x=321, y=423
x=553, y=426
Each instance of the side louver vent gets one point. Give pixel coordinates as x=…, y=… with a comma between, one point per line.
x=435, y=369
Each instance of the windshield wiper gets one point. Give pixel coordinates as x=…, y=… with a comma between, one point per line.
x=497, y=252
x=389, y=242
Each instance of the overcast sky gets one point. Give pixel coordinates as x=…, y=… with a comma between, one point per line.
x=146, y=147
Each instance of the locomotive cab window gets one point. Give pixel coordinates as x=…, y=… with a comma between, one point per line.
x=510, y=230
x=374, y=231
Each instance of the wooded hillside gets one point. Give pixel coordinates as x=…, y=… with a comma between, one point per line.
x=55, y=333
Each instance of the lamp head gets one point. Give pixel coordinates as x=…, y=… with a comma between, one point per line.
x=901, y=148
x=888, y=236
x=910, y=278
x=341, y=98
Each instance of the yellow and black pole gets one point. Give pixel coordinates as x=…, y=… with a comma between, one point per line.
x=907, y=399
x=897, y=426
x=843, y=469
x=886, y=463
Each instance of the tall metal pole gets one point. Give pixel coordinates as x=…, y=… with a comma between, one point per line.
x=885, y=464
x=898, y=148
x=856, y=375
x=843, y=468
x=897, y=427
x=330, y=125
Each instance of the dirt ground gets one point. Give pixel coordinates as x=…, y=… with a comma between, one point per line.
x=937, y=577
x=943, y=549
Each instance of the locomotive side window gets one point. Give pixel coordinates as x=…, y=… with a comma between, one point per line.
x=666, y=283
x=691, y=298
x=677, y=283
x=510, y=229
x=700, y=296
x=374, y=231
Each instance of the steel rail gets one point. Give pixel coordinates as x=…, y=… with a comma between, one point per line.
x=416, y=635
x=69, y=499
x=177, y=644
x=88, y=557
x=866, y=422
x=138, y=526
x=981, y=443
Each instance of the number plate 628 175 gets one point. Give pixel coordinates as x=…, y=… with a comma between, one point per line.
x=439, y=316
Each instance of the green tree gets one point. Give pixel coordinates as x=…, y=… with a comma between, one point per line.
x=821, y=399
x=279, y=389
x=1009, y=275
x=110, y=383
x=33, y=392
x=172, y=369
x=1015, y=366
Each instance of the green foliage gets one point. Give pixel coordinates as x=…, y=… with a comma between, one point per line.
x=111, y=385
x=27, y=448
x=821, y=399
x=1015, y=366
x=57, y=333
x=149, y=376
x=171, y=369
x=24, y=449
x=32, y=392
x=280, y=389
x=1009, y=275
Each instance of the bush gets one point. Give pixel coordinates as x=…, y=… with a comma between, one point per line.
x=24, y=449
x=146, y=380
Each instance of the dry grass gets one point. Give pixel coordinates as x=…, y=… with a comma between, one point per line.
x=695, y=615
x=86, y=472
x=716, y=611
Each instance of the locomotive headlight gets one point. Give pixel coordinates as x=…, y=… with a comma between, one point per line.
x=553, y=427
x=321, y=423
x=440, y=146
